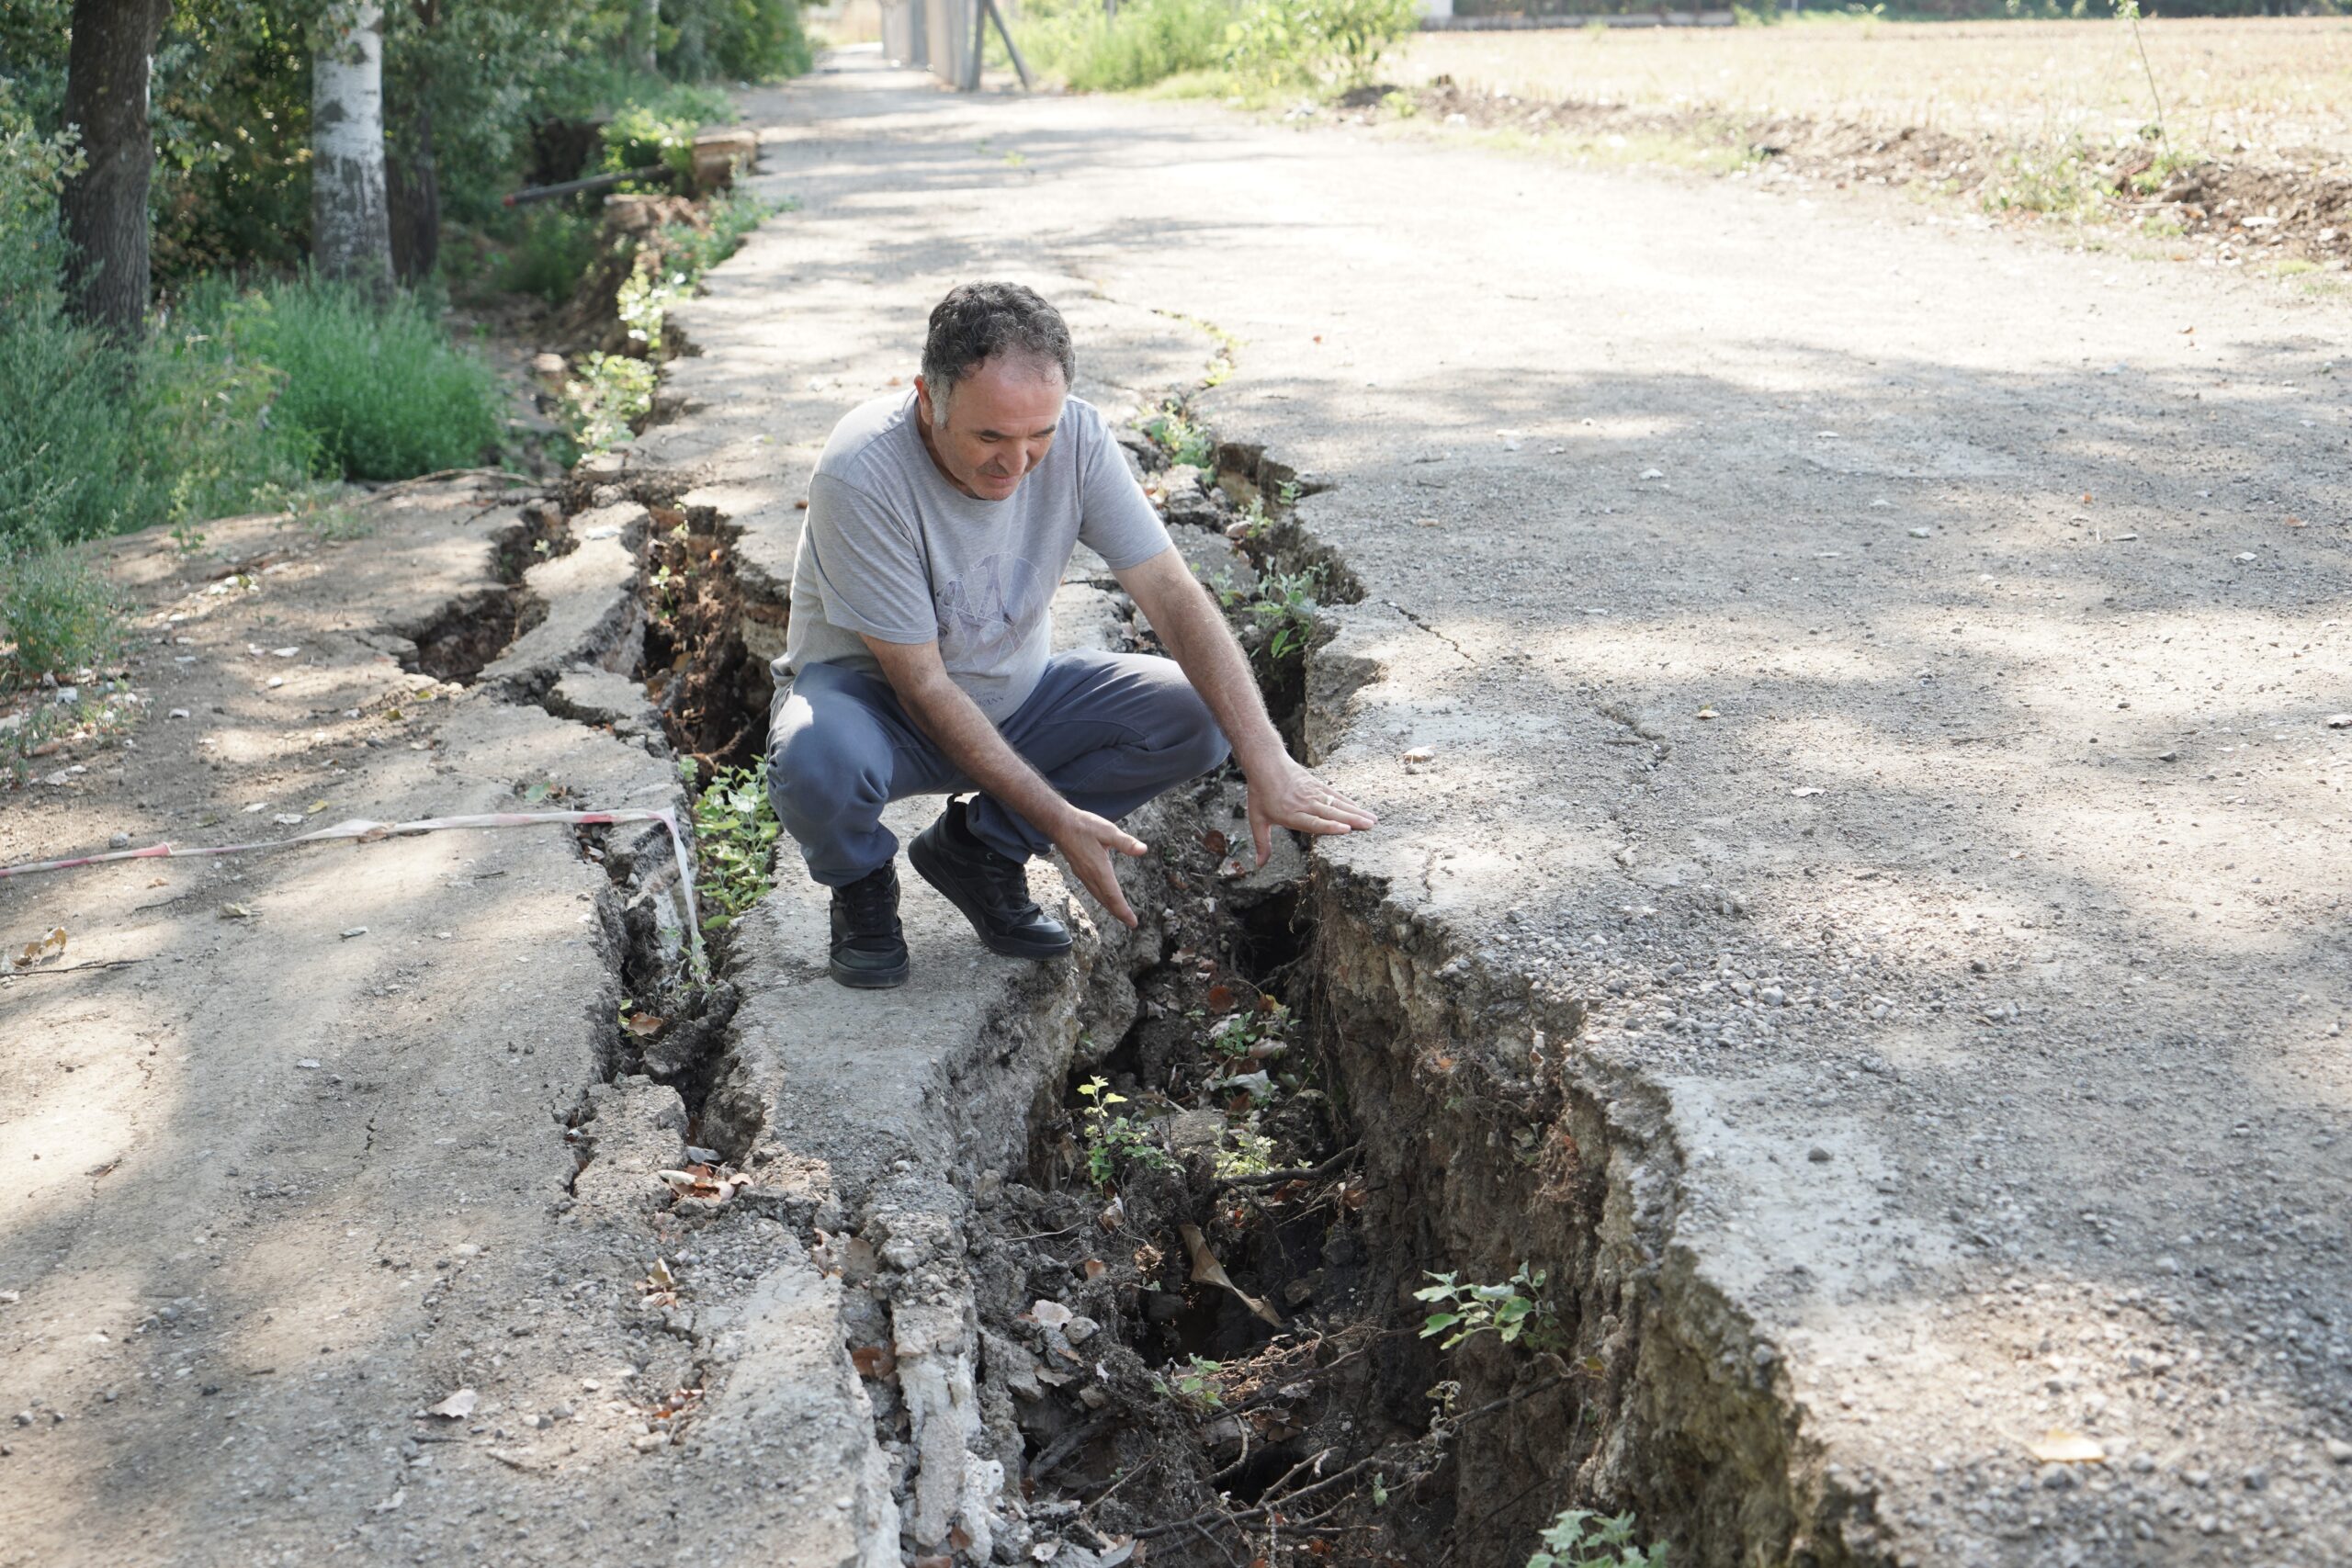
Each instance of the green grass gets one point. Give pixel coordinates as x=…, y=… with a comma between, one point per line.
x=1070, y=41
x=58, y=614
x=378, y=387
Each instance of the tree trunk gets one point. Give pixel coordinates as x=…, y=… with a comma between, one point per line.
x=105, y=206
x=350, y=225
x=645, y=35
x=411, y=167
x=412, y=184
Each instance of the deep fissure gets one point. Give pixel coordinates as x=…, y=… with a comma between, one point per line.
x=1423, y=1129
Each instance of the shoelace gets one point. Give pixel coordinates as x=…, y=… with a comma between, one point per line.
x=867, y=905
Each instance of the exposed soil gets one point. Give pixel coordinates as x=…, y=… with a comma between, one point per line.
x=2246, y=210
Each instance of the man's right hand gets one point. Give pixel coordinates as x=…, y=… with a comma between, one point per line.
x=1086, y=841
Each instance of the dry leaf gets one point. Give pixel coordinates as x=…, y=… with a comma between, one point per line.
x=644, y=1024
x=235, y=912
x=1220, y=998
x=1094, y=1269
x=47, y=950
x=1207, y=1270
x=1213, y=841
x=874, y=1360
x=457, y=1408
x=2060, y=1446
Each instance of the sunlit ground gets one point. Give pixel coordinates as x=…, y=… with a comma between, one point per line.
x=2282, y=87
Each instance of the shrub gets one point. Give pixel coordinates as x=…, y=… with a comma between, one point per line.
x=1306, y=40
x=1150, y=41
x=58, y=614
x=378, y=386
x=553, y=250
x=640, y=137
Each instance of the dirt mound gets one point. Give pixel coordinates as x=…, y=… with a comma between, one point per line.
x=2275, y=209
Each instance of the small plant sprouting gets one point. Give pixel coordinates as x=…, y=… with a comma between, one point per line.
x=735, y=835
x=1514, y=1309
x=1286, y=600
x=1111, y=1141
x=1578, y=1537
x=1259, y=1030
x=1194, y=1384
x=1179, y=436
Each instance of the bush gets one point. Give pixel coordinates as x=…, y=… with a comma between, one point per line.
x=553, y=249
x=752, y=40
x=58, y=614
x=378, y=387
x=640, y=137
x=1306, y=41
x=1151, y=40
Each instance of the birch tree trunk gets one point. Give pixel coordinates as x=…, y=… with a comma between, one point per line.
x=351, y=234
x=105, y=206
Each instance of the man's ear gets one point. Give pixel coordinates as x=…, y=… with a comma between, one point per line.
x=922, y=404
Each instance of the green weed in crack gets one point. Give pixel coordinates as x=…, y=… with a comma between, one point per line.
x=1285, y=606
x=1578, y=1538
x=1176, y=434
x=1194, y=1383
x=735, y=837
x=1513, y=1311
x=1111, y=1141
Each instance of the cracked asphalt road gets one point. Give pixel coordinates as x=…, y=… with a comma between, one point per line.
x=1881, y=663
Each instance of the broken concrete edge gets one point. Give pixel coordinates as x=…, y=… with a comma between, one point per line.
x=576, y=618
x=1696, y=1425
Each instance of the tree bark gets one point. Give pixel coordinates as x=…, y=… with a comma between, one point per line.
x=351, y=235
x=105, y=206
x=412, y=184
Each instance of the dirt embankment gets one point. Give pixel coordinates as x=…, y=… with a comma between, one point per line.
x=2240, y=210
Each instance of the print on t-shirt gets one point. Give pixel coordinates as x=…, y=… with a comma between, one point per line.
x=981, y=614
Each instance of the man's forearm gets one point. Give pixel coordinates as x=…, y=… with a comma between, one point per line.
x=1197, y=638
x=955, y=724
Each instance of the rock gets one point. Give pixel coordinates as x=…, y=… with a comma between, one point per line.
x=2340, y=721
x=1817, y=1155
x=2339, y=1450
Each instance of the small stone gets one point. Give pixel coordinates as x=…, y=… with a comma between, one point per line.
x=2339, y=1450
x=2167, y=756
x=119, y=841
x=1923, y=533
x=1817, y=1155
x=2340, y=721
x=350, y=931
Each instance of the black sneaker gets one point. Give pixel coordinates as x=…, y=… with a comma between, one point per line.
x=992, y=890
x=869, y=949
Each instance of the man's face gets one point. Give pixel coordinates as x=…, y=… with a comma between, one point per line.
x=1000, y=422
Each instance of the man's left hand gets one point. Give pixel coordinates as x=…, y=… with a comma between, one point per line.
x=1293, y=797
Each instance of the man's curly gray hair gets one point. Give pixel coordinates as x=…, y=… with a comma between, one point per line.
x=978, y=321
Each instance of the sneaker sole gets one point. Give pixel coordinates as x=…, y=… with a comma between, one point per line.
x=869, y=979
x=919, y=856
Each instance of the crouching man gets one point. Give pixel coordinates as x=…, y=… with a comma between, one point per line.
x=917, y=661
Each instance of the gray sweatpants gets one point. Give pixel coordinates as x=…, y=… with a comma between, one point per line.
x=1109, y=730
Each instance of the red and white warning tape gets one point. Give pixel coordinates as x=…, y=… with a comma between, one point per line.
x=367, y=832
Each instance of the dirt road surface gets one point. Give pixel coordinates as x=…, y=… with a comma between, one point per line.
x=1849, y=694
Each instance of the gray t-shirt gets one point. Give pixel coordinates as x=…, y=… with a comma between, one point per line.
x=893, y=551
